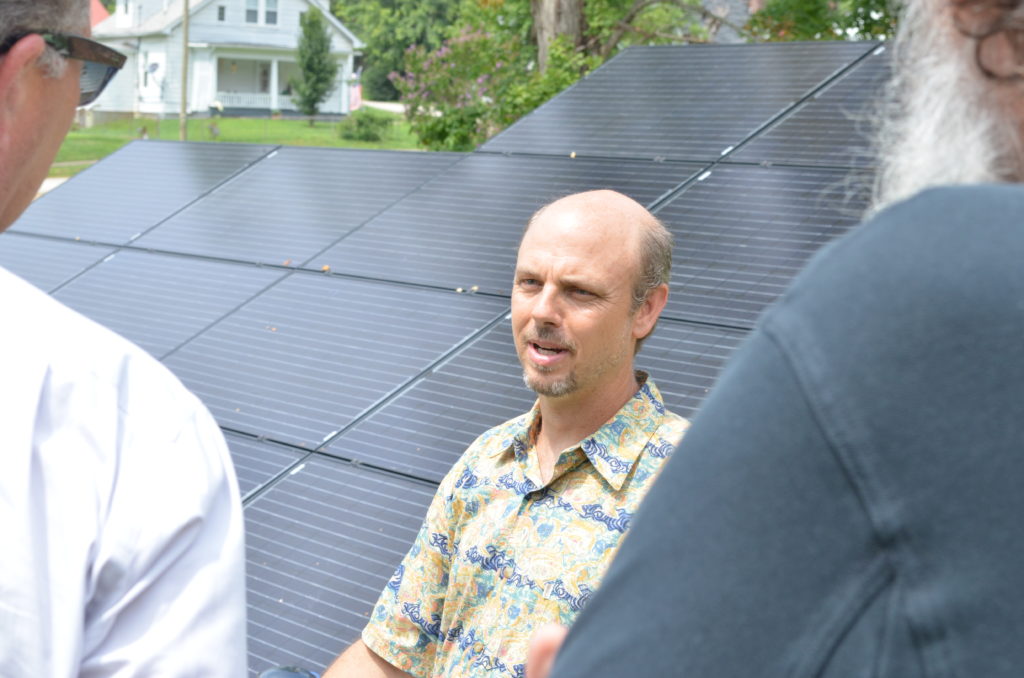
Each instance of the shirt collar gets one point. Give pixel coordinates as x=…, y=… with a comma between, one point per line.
x=614, y=448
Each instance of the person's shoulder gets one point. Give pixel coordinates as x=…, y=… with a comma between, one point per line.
x=948, y=251
x=670, y=426
x=73, y=352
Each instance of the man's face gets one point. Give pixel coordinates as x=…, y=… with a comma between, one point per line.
x=34, y=129
x=571, y=302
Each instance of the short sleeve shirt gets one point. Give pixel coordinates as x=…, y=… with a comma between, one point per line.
x=500, y=553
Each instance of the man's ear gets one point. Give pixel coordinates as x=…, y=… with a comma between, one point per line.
x=18, y=68
x=647, y=315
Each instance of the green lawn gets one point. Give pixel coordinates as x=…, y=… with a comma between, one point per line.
x=85, y=146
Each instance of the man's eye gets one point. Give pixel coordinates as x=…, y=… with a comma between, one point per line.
x=580, y=292
x=529, y=282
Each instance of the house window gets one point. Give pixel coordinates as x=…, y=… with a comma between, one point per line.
x=271, y=14
x=252, y=11
x=221, y=12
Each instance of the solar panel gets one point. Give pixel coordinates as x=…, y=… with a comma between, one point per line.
x=321, y=545
x=134, y=189
x=381, y=362
x=257, y=462
x=423, y=431
x=305, y=358
x=160, y=301
x=47, y=263
x=687, y=103
x=831, y=129
x=295, y=203
x=744, y=232
x=462, y=229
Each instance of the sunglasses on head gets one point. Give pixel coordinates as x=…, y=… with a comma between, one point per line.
x=99, y=62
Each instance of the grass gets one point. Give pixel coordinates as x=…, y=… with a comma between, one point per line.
x=83, y=147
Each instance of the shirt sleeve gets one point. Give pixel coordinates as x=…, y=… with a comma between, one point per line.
x=166, y=592
x=408, y=620
x=747, y=552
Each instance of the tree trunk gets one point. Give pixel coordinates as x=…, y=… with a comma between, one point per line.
x=552, y=18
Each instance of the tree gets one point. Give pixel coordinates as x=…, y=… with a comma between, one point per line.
x=509, y=56
x=553, y=18
x=389, y=27
x=782, y=20
x=318, y=66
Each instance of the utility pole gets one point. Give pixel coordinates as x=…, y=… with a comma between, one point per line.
x=183, y=116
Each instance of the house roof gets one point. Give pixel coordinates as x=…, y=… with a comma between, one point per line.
x=169, y=18
x=97, y=12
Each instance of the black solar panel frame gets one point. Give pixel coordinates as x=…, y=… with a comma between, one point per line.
x=843, y=109
x=295, y=203
x=461, y=229
x=321, y=544
x=70, y=211
x=49, y=263
x=429, y=424
x=258, y=463
x=737, y=250
x=300, y=367
x=631, y=98
x=160, y=301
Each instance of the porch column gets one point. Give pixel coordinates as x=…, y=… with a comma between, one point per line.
x=274, y=106
x=346, y=77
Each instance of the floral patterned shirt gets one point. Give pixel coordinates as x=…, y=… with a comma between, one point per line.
x=500, y=553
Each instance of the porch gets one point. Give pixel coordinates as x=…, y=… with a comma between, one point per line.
x=255, y=84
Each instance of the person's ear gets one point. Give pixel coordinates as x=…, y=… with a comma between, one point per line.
x=647, y=315
x=18, y=68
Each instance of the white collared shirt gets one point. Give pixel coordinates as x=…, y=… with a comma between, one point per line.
x=121, y=532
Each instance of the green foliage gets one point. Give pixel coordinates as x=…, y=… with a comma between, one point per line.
x=461, y=94
x=449, y=93
x=319, y=68
x=388, y=27
x=365, y=124
x=523, y=94
x=110, y=5
x=485, y=76
x=782, y=20
x=658, y=23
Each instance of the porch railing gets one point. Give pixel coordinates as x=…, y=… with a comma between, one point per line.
x=252, y=100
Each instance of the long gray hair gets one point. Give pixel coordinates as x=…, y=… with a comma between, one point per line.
x=62, y=16
x=942, y=120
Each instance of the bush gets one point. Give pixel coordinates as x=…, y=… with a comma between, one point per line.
x=460, y=95
x=365, y=124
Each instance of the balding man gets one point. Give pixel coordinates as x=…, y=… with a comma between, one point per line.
x=524, y=525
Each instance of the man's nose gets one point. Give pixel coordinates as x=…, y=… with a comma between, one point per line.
x=547, y=306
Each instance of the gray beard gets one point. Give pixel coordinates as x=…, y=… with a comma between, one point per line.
x=940, y=122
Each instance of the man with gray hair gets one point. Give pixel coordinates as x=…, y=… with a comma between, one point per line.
x=523, y=526
x=848, y=500
x=119, y=511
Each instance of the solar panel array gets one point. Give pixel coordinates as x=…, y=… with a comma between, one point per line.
x=344, y=314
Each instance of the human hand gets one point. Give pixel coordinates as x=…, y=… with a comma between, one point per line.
x=544, y=646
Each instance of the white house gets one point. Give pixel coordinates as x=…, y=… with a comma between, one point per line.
x=241, y=55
